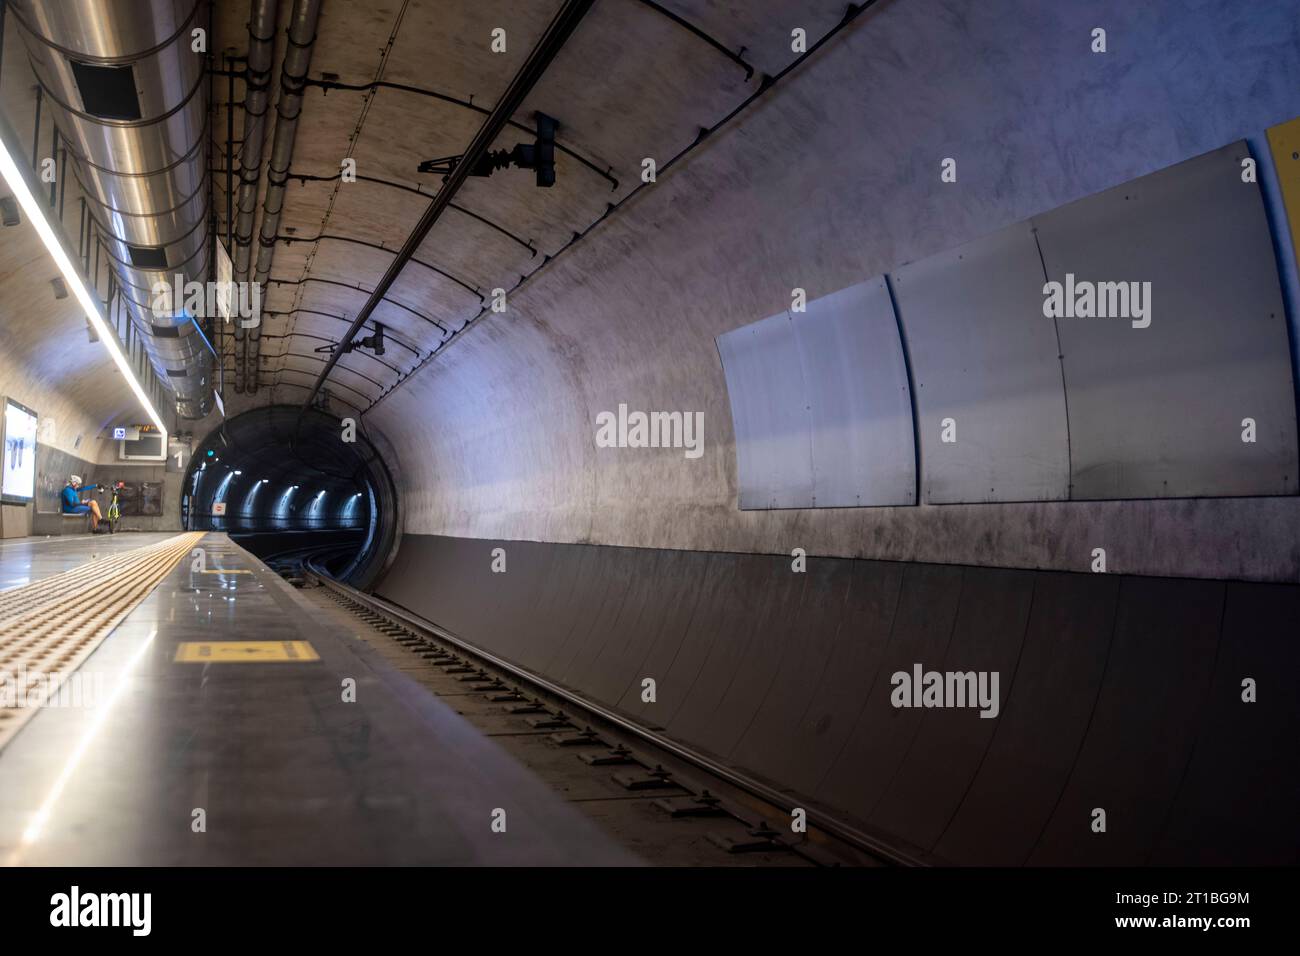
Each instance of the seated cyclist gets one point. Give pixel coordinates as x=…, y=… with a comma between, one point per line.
x=73, y=505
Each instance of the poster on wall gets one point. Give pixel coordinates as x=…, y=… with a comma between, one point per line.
x=140, y=499
x=18, y=479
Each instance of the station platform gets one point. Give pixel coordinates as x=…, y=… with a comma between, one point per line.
x=25, y=560
x=233, y=723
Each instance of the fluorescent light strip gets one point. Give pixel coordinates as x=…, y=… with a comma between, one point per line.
x=17, y=176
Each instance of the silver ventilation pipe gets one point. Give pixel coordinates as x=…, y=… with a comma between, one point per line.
x=128, y=94
x=262, y=18
x=297, y=61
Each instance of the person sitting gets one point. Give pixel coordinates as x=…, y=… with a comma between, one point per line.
x=73, y=505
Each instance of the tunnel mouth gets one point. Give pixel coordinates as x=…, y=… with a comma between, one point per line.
x=293, y=486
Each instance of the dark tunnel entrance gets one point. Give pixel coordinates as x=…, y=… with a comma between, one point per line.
x=287, y=486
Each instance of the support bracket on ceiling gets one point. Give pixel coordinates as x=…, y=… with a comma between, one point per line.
x=538, y=156
x=374, y=342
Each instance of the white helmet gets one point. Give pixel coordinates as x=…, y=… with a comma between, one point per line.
x=74, y=479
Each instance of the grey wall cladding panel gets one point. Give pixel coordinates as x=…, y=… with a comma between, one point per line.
x=952, y=742
x=769, y=413
x=1142, y=731
x=1242, y=784
x=1125, y=693
x=862, y=444
x=1048, y=704
x=983, y=355
x=1157, y=411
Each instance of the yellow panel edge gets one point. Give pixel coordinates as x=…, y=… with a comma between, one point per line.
x=1284, y=143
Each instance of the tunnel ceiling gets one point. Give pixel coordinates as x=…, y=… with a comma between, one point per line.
x=635, y=80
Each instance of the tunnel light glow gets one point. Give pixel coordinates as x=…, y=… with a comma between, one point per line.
x=221, y=489
x=316, y=506
x=17, y=176
x=247, y=507
x=282, y=506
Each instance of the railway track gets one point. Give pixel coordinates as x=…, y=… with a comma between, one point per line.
x=668, y=803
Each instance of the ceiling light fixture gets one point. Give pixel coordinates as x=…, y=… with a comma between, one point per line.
x=19, y=179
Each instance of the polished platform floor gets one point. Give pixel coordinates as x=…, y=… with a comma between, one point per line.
x=25, y=560
x=210, y=754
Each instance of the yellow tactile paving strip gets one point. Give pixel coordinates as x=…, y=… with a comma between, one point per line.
x=47, y=629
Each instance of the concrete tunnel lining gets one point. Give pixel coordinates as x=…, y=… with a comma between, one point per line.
x=1121, y=689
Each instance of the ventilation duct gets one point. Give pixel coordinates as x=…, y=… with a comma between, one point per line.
x=257, y=81
x=297, y=60
x=129, y=98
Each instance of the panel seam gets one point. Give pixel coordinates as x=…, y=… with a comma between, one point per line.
x=1060, y=362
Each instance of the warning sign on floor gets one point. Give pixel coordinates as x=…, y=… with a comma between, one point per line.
x=244, y=652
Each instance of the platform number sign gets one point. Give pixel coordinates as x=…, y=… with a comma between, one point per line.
x=178, y=455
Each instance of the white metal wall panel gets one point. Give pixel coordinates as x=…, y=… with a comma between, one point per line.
x=861, y=413
x=1158, y=411
x=984, y=355
x=769, y=412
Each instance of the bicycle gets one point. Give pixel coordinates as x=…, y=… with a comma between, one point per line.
x=113, y=513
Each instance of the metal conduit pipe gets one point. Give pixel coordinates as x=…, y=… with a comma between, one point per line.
x=129, y=97
x=293, y=73
x=262, y=18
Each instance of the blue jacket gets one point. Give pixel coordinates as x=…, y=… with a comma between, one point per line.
x=72, y=498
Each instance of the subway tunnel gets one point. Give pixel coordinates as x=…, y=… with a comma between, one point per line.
x=771, y=434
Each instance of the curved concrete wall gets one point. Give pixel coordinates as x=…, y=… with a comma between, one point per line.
x=1115, y=692
x=496, y=435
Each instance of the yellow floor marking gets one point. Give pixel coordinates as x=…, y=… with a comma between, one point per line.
x=1284, y=141
x=244, y=652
